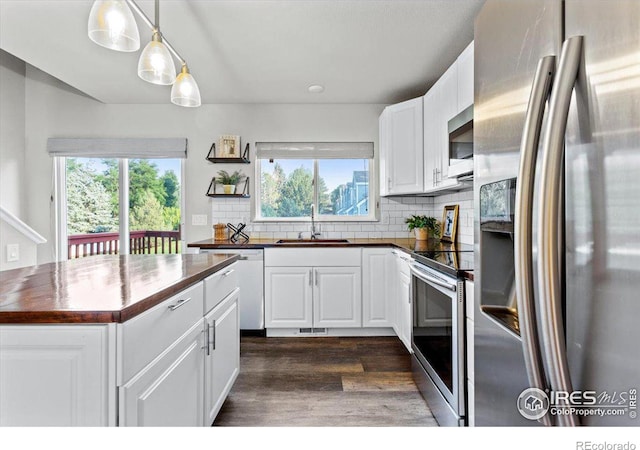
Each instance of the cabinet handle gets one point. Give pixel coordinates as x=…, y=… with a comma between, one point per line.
x=316, y=277
x=389, y=183
x=179, y=303
x=228, y=272
x=213, y=335
x=206, y=339
x=310, y=277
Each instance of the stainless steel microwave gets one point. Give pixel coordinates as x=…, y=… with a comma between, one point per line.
x=461, y=144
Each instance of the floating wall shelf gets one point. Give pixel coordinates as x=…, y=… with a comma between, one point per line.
x=211, y=192
x=244, y=159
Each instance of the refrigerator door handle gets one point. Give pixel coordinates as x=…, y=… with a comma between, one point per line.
x=549, y=267
x=523, y=258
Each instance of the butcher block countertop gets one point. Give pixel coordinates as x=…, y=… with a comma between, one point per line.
x=407, y=245
x=100, y=289
x=431, y=252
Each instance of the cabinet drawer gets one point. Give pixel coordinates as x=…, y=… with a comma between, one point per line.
x=316, y=257
x=219, y=285
x=144, y=337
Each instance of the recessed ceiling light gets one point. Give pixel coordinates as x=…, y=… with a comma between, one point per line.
x=316, y=89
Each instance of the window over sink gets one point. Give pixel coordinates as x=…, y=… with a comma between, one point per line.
x=333, y=179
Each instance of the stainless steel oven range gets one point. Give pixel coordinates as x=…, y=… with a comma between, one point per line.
x=438, y=339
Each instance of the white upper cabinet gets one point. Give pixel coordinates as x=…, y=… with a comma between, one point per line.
x=440, y=105
x=414, y=135
x=401, y=148
x=465, y=78
x=383, y=152
x=449, y=96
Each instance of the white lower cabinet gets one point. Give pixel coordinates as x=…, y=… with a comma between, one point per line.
x=288, y=297
x=169, y=391
x=377, y=307
x=222, y=349
x=401, y=292
x=57, y=375
x=404, y=316
x=187, y=384
x=313, y=288
x=169, y=366
x=300, y=297
x=337, y=297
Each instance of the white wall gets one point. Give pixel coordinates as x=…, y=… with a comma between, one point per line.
x=12, y=134
x=27, y=248
x=55, y=110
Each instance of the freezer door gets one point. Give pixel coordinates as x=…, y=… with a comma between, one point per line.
x=603, y=202
x=510, y=39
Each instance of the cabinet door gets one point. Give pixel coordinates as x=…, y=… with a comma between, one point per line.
x=337, y=297
x=432, y=138
x=405, y=310
x=288, y=298
x=448, y=107
x=405, y=157
x=56, y=375
x=222, y=361
x=465, y=78
x=376, y=304
x=383, y=152
x=393, y=289
x=169, y=391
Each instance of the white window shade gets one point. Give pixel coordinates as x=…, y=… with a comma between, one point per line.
x=314, y=150
x=118, y=148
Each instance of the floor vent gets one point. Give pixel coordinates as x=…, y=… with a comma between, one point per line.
x=313, y=331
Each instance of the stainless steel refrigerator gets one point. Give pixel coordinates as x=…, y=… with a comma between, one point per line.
x=557, y=212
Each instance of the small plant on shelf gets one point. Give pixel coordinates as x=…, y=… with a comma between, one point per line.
x=423, y=226
x=229, y=181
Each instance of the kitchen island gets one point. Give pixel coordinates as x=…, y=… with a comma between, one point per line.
x=126, y=340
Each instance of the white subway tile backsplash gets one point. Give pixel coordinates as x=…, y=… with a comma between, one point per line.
x=393, y=212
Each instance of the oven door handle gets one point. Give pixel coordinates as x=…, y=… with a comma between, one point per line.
x=430, y=279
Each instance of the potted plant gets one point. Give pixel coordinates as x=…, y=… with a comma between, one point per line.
x=423, y=225
x=229, y=181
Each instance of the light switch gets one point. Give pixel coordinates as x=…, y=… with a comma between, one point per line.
x=13, y=252
x=198, y=219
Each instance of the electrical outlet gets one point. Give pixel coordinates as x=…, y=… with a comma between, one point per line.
x=198, y=219
x=13, y=252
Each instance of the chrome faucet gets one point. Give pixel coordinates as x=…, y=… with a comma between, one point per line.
x=314, y=234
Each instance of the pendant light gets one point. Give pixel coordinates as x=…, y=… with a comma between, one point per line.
x=156, y=64
x=184, y=91
x=112, y=25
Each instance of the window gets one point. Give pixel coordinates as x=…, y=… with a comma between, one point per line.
x=117, y=205
x=335, y=178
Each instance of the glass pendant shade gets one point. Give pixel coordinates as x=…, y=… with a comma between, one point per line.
x=156, y=64
x=184, y=91
x=111, y=25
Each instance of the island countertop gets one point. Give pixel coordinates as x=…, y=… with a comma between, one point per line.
x=100, y=289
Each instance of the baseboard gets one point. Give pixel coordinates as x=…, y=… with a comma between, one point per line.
x=332, y=332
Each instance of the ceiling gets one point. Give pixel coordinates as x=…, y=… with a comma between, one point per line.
x=262, y=51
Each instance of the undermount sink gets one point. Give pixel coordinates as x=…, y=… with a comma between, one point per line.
x=312, y=241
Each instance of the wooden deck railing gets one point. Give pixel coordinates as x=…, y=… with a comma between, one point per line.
x=140, y=242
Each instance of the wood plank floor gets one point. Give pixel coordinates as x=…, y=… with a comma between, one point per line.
x=324, y=382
